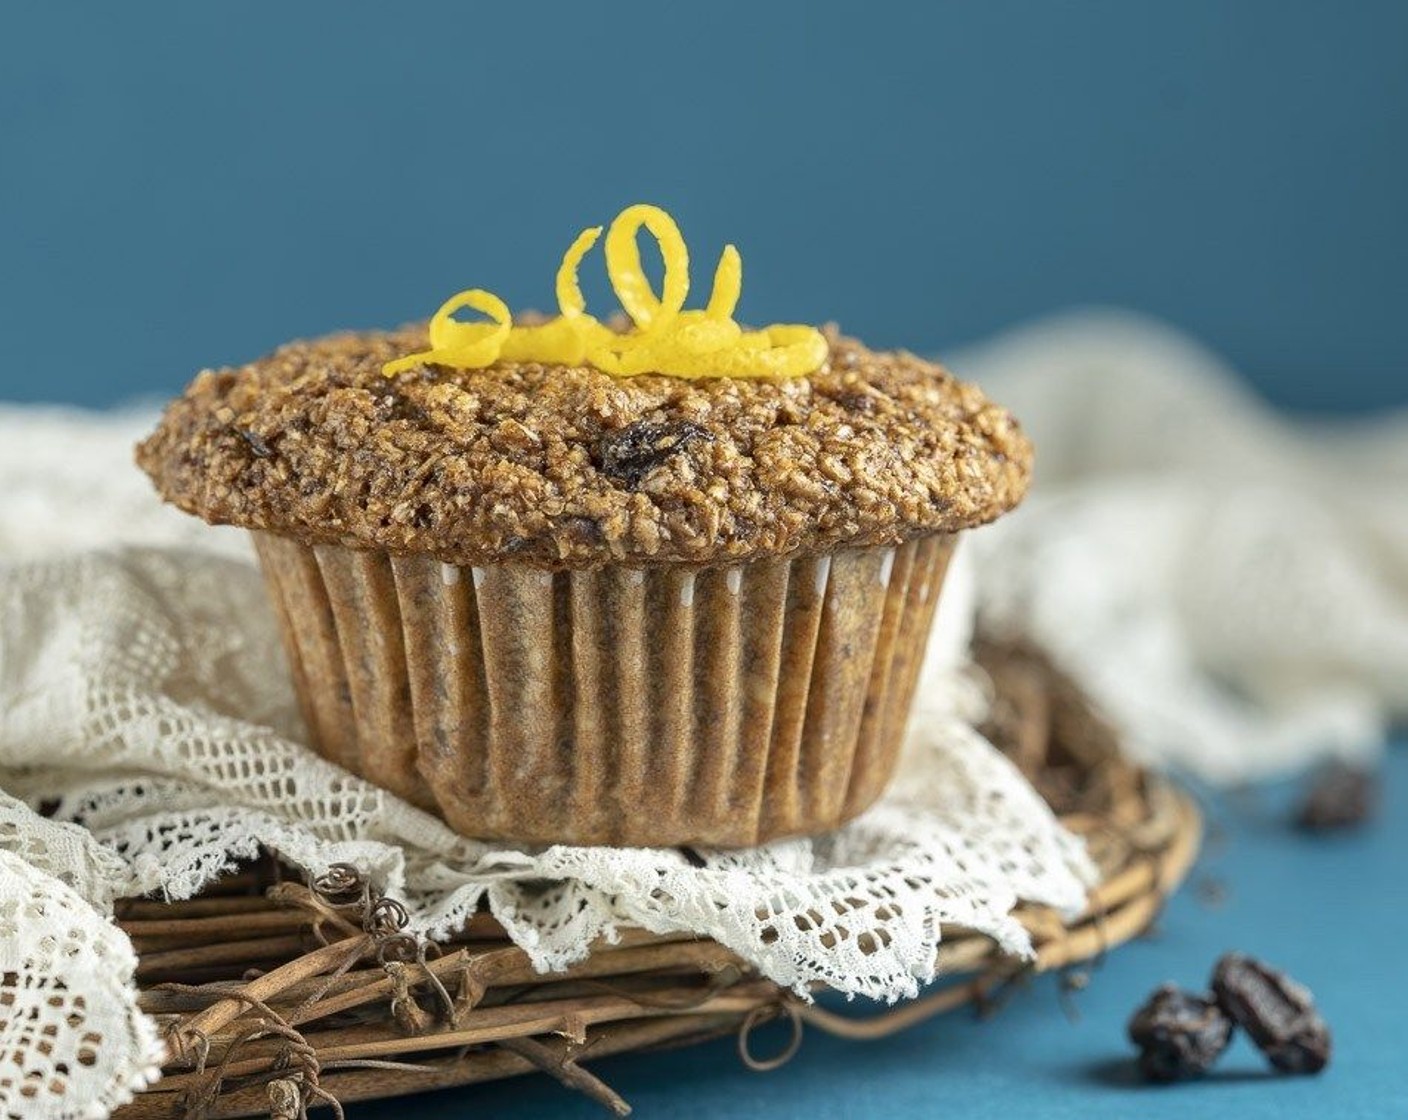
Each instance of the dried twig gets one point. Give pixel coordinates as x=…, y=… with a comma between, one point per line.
x=554, y=1060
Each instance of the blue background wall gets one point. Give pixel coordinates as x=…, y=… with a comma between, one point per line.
x=183, y=185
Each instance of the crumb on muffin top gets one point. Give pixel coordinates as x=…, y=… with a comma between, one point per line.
x=569, y=467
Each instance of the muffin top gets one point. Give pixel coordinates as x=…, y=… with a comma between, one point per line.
x=562, y=466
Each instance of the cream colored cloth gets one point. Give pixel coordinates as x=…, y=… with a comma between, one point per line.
x=1231, y=585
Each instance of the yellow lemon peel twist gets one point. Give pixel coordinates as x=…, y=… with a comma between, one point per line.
x=664, y=339
x=464, y=345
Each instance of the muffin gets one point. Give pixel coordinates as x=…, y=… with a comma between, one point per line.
x=558, y=604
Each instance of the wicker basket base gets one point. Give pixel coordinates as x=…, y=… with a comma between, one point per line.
x=280, y=996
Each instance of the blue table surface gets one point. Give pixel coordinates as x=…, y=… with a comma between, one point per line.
x=1332, y=911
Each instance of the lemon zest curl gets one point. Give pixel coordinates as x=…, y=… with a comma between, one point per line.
x=664, y=337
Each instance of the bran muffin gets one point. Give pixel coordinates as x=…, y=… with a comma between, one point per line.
x=555, y=605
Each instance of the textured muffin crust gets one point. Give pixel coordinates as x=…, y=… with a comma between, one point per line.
x=570, y=468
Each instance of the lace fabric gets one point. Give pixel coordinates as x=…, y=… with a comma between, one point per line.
x=74, y=1041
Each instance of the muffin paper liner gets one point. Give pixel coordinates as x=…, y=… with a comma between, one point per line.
x=657, y=707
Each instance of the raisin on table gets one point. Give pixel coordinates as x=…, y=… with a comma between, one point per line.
x=1341, y=796
x=1179, y=1034
x=1278, y=1013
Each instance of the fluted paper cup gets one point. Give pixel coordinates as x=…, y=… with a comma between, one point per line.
x=655, y=707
